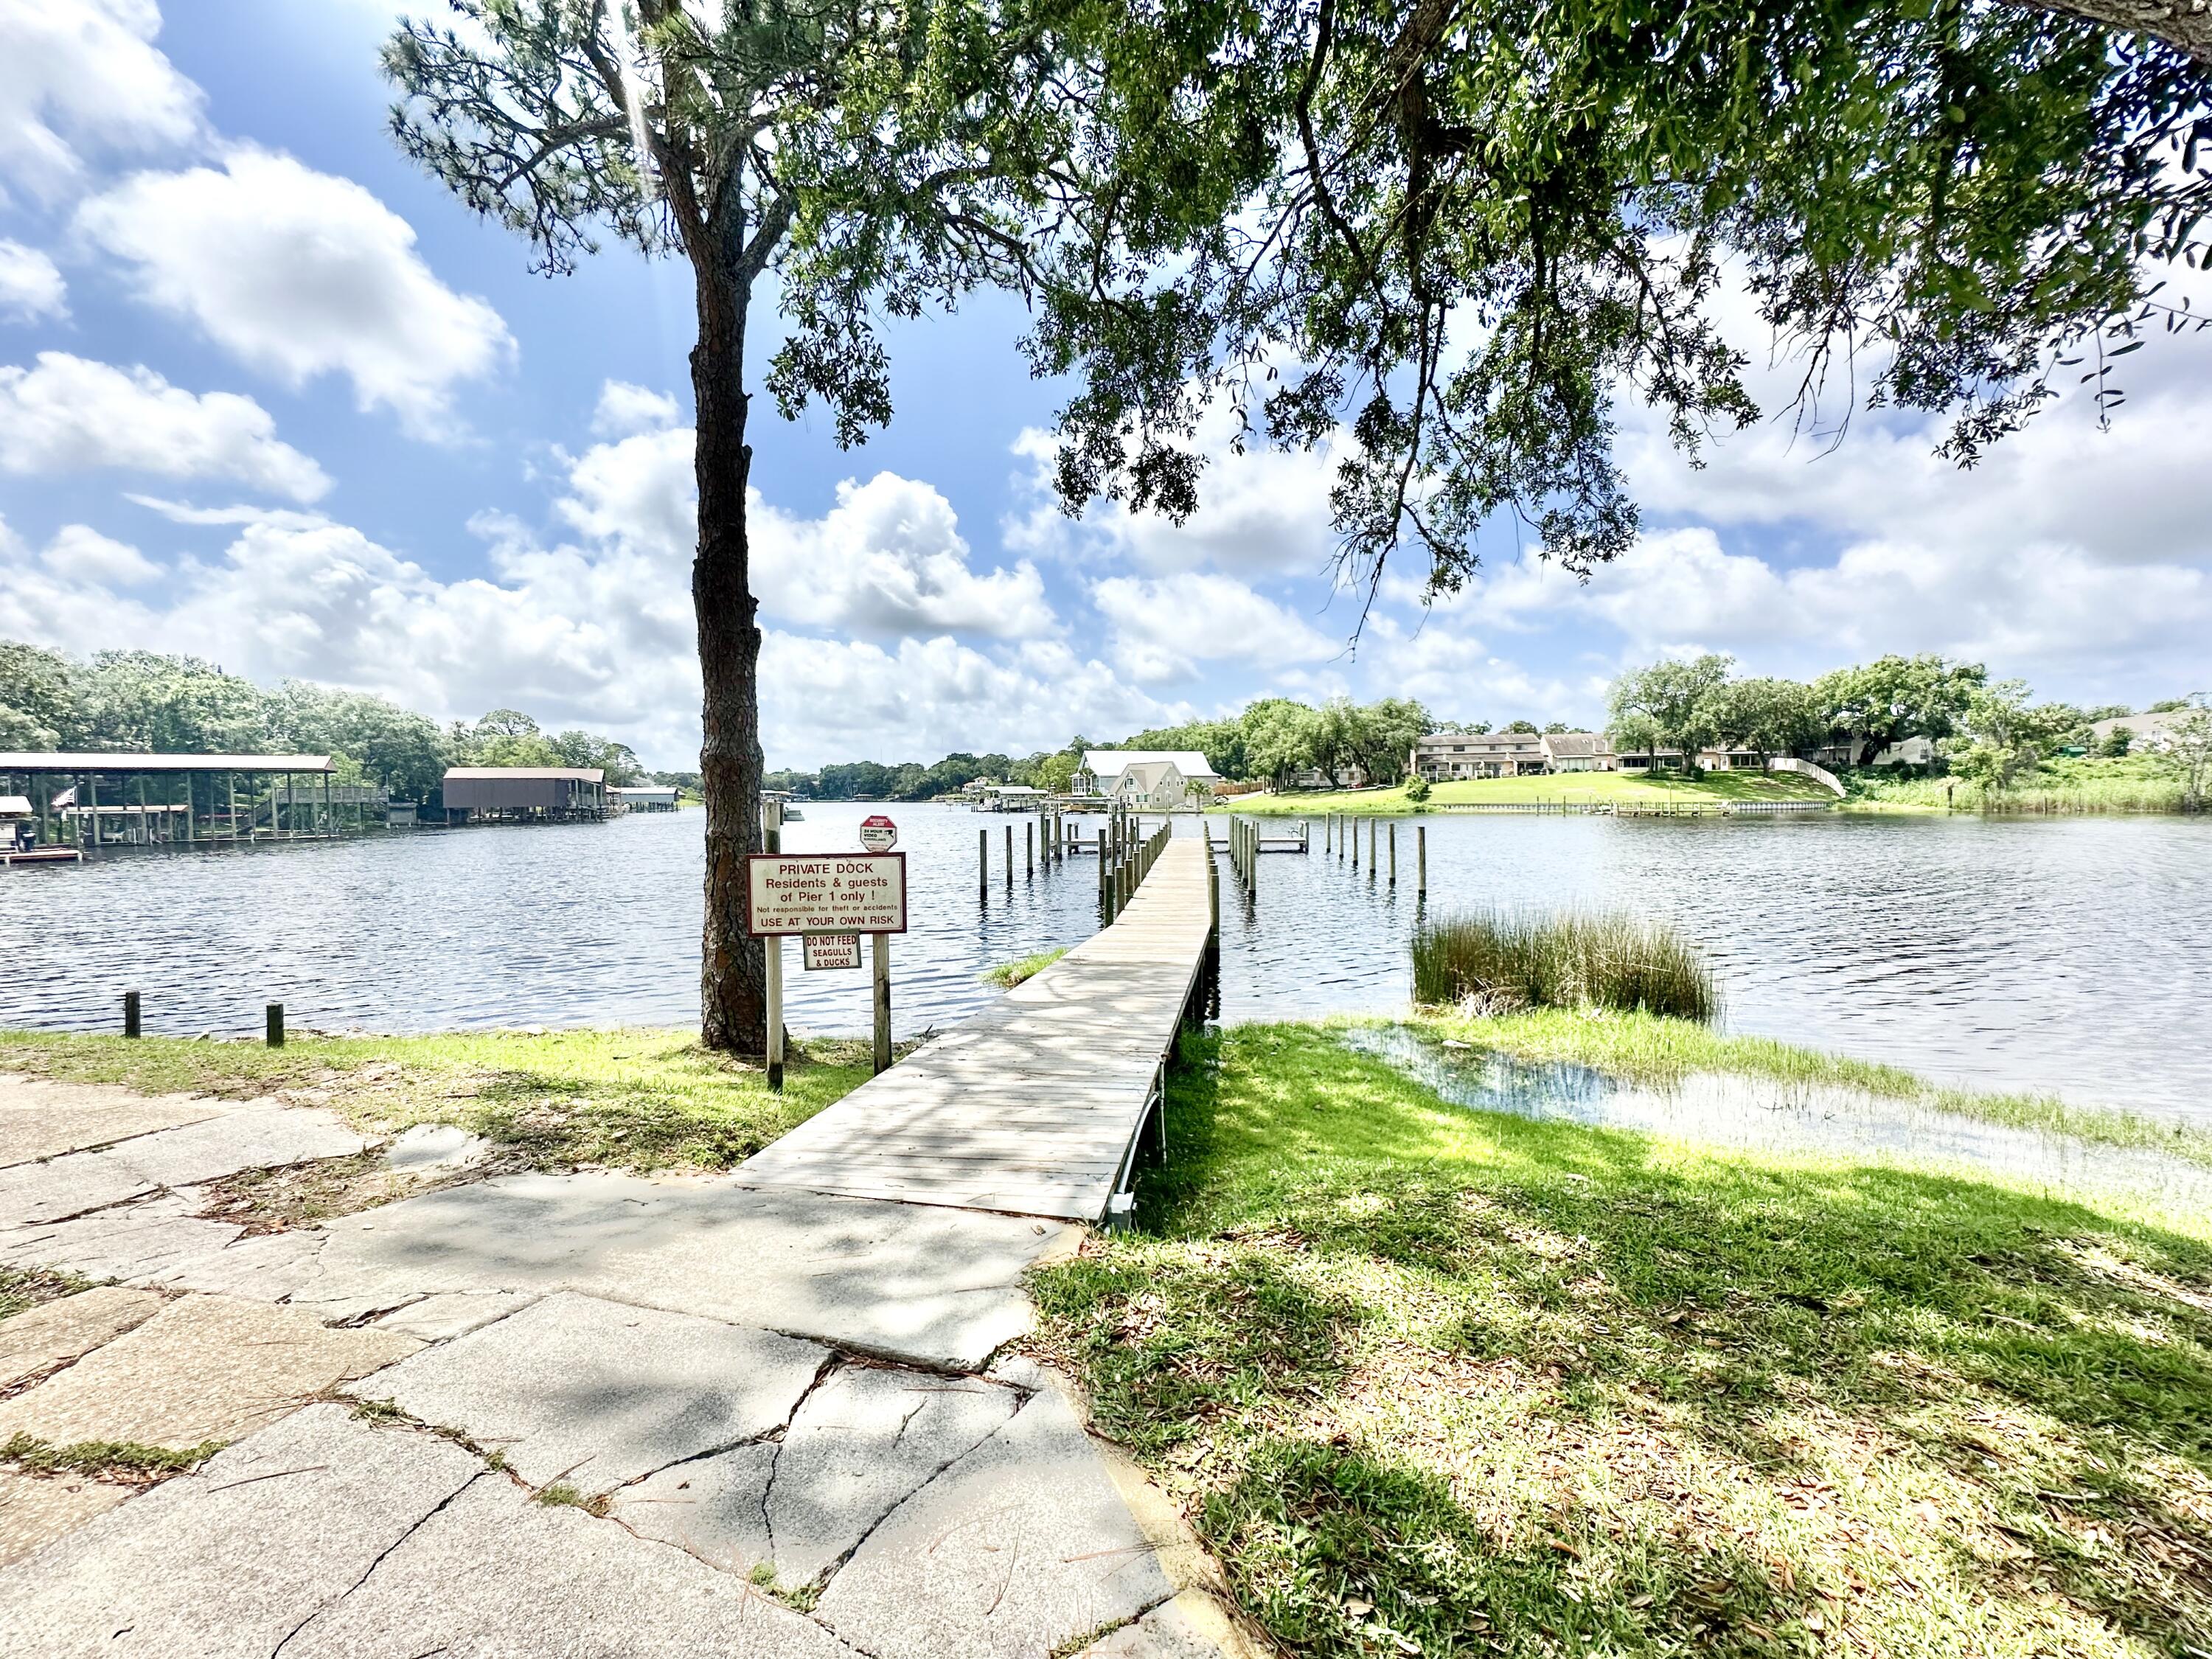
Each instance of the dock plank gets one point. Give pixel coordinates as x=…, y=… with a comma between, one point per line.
x=1032, y=1106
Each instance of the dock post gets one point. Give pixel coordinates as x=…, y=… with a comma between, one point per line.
x=1010, y=858
x=983, y=862
x=1371, y=849
x=1028, y=847
x=1394, y=852
x=1328, y=831
x=1102, y=871
x=880, y=961
x=273, y=1025
x=130, y=1013
x=1355, y=847
x=1421, y=860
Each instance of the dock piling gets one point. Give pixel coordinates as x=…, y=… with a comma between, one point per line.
x=983, y=862
x=1394, y=852
x=1421, y=860
x=273, y=1025
x=130, y=1013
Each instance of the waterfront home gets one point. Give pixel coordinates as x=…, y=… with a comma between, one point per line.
x=1445, y=754
x=483, y=794
x=2148, y=730
x=1350, y=776
x=643, y=797
x=1157, y=779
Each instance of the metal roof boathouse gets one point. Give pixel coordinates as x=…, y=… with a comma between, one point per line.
x=84, y=802
x=487, y=794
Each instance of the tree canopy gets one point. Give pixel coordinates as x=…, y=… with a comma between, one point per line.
x=1470, y=232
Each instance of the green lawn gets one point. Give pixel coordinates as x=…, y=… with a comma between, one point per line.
x=1705, y=786
x=1438, y=1382
x=633, y=1099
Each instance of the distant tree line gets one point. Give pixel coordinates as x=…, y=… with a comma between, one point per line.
x=1273, y=740
x=1993, y=733
x=140, y=701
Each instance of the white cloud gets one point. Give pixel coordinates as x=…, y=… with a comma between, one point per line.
x=69, y=413
x=889, y=560
x=81, y=76
x=597, y=631
x=300, y=273
x=78, y=553
x=31, y=287
x=624, y=409
x=1165, y=626
x=1260, y=513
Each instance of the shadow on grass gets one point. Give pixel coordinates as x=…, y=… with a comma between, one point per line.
x=1480, y=1382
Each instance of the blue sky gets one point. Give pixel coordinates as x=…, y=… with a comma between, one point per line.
x=269, y=396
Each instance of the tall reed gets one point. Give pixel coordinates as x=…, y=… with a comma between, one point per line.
x=1501, y=961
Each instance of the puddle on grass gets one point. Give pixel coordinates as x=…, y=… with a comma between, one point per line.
x=1769, y=1115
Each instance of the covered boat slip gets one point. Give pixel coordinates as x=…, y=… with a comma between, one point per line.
x=96, y=799
x=1037, y=1105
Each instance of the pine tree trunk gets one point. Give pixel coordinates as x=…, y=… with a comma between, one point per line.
x=733, y=981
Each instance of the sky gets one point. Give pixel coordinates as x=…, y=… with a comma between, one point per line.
x=271, y=397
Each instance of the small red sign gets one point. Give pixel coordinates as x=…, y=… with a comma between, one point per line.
x=877, y=833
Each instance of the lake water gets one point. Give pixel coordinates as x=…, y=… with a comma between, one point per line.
x=2068, y=956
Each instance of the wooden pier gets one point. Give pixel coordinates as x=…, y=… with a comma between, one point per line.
x=1038, y=1105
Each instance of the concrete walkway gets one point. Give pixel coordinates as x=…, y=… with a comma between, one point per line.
x=584, y=1415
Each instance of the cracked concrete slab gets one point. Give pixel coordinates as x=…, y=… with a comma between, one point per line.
x=55, y=1332
x=1192, y=1626
x=864, y=1440
x=41, y=1119
x=1018, y=1548
x=453, y=1313
x=599, y=1393
x=434, y=1146
x=37, y=1509
x=201, y=1368
x=138, y=1243
x=247, y=1137
x=231, y=1560
x=493, y=1574
x=933, y=1286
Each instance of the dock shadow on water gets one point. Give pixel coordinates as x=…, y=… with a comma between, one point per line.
x=1769, y=1114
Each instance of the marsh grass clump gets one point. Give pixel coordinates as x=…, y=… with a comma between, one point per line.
x=1008, y=975
x=1499, y=962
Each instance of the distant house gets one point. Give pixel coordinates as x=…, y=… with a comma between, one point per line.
x=1443, y=755
x=516, y=794
x=643, y=797
x=1159, y=779
x=2148, y=731
x=1353, y=776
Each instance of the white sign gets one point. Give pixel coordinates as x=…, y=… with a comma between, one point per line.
x=825, y=893
x=832, y=950
x=877, y=833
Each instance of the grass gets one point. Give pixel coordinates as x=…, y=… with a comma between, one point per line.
x=114, y=1459
x=2131, y=783
x=1440, y=1381
x=632, y=1099
x=1634, y=788
x=1496, y=962
x=1650, y=1048
x=27, y=1287
x=1008, y=975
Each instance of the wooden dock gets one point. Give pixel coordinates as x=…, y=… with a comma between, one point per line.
x=1037, y=1106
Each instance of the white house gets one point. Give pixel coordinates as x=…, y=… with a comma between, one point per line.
x=1157, y=779
x=2148, y=731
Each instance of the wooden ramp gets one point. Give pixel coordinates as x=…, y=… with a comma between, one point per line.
x=1036, y=1106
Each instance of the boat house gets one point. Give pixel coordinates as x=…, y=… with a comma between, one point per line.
x=518, y=795
x=95, y=799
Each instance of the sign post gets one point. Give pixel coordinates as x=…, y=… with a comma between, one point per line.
x=879, y=834
x=772, y=840
x=819, y=896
